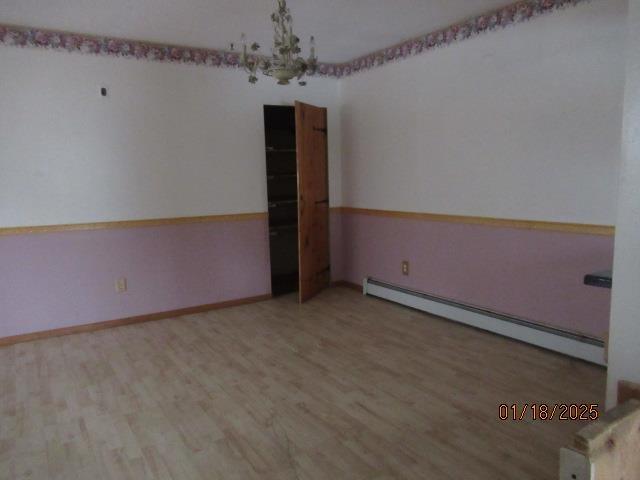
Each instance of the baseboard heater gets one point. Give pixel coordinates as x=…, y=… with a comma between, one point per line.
x=574, y=345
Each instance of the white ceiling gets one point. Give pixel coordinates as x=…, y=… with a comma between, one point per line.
x=344, y=29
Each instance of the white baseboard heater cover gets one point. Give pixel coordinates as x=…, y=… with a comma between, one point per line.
x=574, y=345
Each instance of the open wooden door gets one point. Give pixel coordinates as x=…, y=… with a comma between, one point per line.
x=313, y=199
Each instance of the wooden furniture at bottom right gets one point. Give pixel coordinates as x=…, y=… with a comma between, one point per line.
x=608, y=449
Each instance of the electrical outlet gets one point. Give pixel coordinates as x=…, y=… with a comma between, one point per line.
x=121, y=285
x=405, y=267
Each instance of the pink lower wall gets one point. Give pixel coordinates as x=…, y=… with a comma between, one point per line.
x=531, y=274
x=336, y=246
x=63, y=279
x=56, y=280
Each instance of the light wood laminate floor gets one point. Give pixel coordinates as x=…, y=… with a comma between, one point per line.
x=343, y=387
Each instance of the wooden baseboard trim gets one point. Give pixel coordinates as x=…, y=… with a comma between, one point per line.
x=346, y=284
x=92, y=327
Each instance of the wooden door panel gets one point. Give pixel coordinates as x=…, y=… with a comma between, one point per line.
x=313, y=199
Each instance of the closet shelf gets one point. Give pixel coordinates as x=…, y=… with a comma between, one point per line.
x=282, y=175
x=280, y=150
x=282, y=201
x=283, y=226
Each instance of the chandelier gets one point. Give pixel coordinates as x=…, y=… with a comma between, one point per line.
x=285, y=62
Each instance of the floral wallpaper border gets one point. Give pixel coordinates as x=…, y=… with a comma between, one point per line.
x=512, y=14
x=90, y=44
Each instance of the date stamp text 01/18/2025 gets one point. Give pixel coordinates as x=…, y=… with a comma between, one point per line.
x=544, y=411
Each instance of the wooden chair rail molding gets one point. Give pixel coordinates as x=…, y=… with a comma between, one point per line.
x=152, y=222
x=578, y=228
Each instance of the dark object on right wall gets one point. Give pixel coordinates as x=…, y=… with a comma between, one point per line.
x=599, y=279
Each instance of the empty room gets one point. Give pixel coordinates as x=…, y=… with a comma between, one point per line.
x=330, y=239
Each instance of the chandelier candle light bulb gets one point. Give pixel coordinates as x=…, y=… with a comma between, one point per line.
x=285, y=62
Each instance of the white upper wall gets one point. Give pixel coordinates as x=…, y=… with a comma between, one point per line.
x=624, y=335
x=168, y=141
x=519, y=123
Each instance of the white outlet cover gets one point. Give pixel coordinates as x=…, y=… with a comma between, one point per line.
x=121, y=285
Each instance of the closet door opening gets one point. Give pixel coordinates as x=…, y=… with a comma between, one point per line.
x=298, y=198
x=282, y=197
